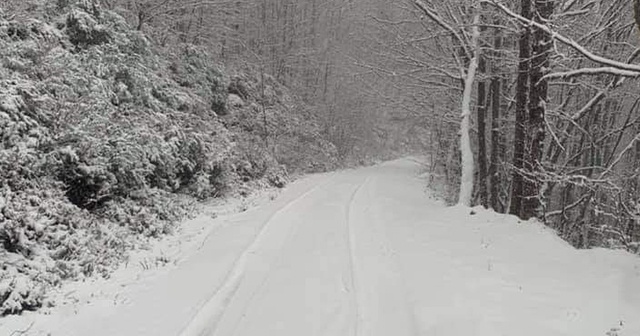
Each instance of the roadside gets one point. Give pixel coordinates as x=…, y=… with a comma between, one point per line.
x=359, y=252
x=145, y=265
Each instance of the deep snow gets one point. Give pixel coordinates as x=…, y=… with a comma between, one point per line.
x=362, y=252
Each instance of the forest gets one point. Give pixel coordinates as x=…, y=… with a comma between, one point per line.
x=118, y=117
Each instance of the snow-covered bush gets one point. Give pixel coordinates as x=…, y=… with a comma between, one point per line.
x=107, y=141
x=84, y=30
x=291, y=134
x=192, y=68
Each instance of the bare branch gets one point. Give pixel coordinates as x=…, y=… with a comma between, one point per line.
x=569, y=42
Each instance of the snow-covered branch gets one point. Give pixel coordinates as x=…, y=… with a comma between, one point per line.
x=433, y=15
x=568, y=207
x=615, y=162
x=569, y=42
x=593, y=71
x=587, y=107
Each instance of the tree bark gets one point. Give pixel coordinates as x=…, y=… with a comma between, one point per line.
x=466, y=180
x=536, y=129
x=522, y=86
x=482, y=126
x=497, y=140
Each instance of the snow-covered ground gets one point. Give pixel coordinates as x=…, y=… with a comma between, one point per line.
x=362, y=252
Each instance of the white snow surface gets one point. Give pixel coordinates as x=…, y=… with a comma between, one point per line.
x=362, y=252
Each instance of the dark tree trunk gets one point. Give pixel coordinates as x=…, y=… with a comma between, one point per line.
x=536, y=129
x=482, y=136
x=522, y=86
x=497, y=139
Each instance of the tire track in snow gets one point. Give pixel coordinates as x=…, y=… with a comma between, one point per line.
x=226, y=328
x=390, y=260
x=355, y=280
x=375, y=277
x=291, y=231
x=341, y=321
x=207, y=317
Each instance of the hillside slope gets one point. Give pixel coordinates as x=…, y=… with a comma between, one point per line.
x=107, y=141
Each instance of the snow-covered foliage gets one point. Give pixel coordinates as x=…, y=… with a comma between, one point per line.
x=106, y=140
x=294, y=138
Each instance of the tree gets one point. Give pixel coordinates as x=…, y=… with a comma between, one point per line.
x=522, y=91
x=497, y=136
x=468, y=59
x=481, y=116
x=466, y=180
x=583, y=179
x=536, y=128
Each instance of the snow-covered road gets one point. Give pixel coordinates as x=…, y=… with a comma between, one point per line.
x=367, y=253
x=322, y=265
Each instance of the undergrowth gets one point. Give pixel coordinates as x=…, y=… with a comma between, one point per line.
x=107, y=140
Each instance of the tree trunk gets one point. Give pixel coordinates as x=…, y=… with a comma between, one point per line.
x=536, y=129
x=466, y=180
x=482, y=142
x=521, y=111
x=497, y=140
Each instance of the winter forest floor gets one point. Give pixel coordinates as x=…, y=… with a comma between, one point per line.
x=358, y=252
